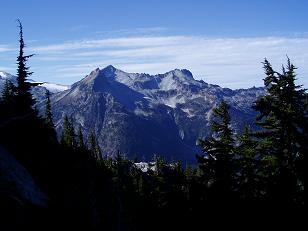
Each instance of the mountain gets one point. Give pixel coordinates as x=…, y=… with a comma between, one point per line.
x=38, y=91
x=142, y=115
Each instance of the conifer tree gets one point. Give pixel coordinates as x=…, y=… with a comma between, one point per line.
x=94, y=146
x=220, y=145
x=8, y=91
x=24, y=97
x=7, y=100
x=247, y=163
x=68, y=133
x=80, y=141
x=48, y=112
x=217, y=163
x=283, y=117
x=282, y=113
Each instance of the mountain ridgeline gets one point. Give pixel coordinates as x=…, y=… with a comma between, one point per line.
x=141, y=115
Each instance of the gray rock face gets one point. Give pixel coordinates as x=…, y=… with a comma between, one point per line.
x=142, y=115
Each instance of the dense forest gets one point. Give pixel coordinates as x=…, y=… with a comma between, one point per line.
x=235, y=176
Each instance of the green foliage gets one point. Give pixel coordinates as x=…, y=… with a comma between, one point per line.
x=94, y=146
x=48, y=112
x=8, y=92
x=282, y=112
x=246, y=164
x=80, y=140
x=283, y=139
x=220, y=145
x=7, y=101
x=68, y=138
x=217, y=163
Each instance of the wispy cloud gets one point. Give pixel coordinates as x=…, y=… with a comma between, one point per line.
x=5, y=48
x=111, y=43
x=133, y=32
x=230, y=62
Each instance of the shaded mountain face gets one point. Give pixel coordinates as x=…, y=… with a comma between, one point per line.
x=142, y=115
x=17, y=185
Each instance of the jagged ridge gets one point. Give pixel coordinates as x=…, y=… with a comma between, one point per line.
x=142, y=115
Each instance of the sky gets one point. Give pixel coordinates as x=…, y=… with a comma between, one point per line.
x=222, y=42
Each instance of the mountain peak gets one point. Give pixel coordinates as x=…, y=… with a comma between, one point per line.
x=181, y=74
x=108, y=71
x=4, y=74
x=172, y=104
x=184, y=72
x=109, y=68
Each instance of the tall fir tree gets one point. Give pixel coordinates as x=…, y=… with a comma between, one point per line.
x=247, y=163
x=217, y=163
x=80, y=140
x=24, y=97
x=283, y=118
x=7, y=100
x=94, y=146
x=68, y=137
x=48, y=112
x=220, y=145
x=8, y=92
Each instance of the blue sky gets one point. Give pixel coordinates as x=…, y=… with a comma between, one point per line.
x=221, y=41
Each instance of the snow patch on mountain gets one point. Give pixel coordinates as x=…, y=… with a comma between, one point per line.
x=54, y=88
x=174, y=79
x=40, y=89
x=5, y=75
x=189, y=112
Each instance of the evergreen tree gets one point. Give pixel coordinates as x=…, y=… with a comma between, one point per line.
x=48, y=112
x=7, y=100
x=247, y=164
x=220, y=145
x=246, y=143
x=94, y=146
x=24, y=97
x=217, y=163
x=283, y=117
x=80, y=141
x=282, y=113
x=68, y=133
x=8, y=92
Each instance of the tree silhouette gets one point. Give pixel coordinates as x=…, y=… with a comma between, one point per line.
x=68, y=133
x=24, y=98
x=217, y=163
x=48, y=112
x=283, y=140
